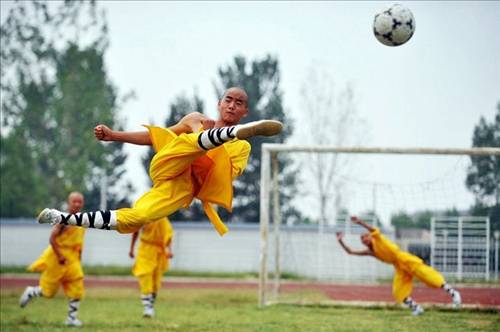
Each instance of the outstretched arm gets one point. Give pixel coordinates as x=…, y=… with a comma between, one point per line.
x=365, y=252
x=170, y=254
x=192, y=123
x=360, y=222
x=132, y=244
x=56, y=231
x=104, y=133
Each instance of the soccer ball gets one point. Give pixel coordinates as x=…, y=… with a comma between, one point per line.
x=394, y=26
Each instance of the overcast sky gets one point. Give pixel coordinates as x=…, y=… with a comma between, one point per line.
x=429, y=92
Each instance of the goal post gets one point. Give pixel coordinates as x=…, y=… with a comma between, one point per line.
x=269, y=196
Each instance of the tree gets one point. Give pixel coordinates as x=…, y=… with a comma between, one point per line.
x=402, y=220
x=261, y=80
x=55, y=91
x=419, y=219
x=182, y=106
x=335, y=122
x=483, y=174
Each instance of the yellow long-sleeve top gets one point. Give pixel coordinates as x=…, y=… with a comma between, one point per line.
x=70, y=244
x=389, y=252
x=211, y=174
x=152, y=247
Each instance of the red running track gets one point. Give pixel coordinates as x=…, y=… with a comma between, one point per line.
x=471, y=295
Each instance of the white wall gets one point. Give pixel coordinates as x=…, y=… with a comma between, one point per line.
x=197, y=247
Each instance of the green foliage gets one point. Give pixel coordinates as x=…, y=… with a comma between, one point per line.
x=15, y=157
x=54, y=94
x=483, y=174
x=419, y=219
x=261, y=80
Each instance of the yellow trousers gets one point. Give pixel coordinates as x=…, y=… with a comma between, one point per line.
x=150, y=264
x=151, y=283
x=173, y=188
x=402, y=285
x=70, y=276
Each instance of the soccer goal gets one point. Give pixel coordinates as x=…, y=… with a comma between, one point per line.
x=300, y=258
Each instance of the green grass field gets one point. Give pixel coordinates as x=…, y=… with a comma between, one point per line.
x=230, y=310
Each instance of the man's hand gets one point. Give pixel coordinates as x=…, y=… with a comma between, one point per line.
x=340, y=236
x=103, y=133
x=131, y=254
x=61, y=260
x=356, y=220
x=207, y=123
x=169, y=254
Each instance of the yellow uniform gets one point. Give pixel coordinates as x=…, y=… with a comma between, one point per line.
x=181, y=171
x=70, y=274
x=406, y=267
x=151, y=259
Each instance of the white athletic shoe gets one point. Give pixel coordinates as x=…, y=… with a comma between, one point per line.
x=259, y=128
x=457, y=299
x=25, y=298
x=49, y=216
x=75, y=322
x=418, y=311
x=148, y=313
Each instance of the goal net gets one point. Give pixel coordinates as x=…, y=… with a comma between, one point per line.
x=421, y=191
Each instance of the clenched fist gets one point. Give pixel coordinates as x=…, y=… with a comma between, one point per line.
x=207, y=123
x=103, y=133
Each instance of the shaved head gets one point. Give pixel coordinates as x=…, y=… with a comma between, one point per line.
x=237, y=90
x=75, y=202
x=233, y=106
x=75, y=194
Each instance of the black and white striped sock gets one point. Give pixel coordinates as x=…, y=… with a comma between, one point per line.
x=411, y=304
x=73, y=306
x=99, y=219
x=449, y=289
x=35, y=291
x=147, y=301
x=215, y=137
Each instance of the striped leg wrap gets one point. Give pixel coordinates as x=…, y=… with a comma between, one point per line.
x=35, y=292
x=100, y=219
x=73, y=306
x=449, y=289
x=147, y=301
x=411, y=304
x=215, y=137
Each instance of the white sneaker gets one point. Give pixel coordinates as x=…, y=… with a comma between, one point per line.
x=418, y=311
x=259, y=128
x=148, y=313
x=457, y=299
x=75, y=322
x=25, y=298
x=49, y=216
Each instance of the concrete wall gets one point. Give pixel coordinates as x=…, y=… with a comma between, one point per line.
x=197, y=247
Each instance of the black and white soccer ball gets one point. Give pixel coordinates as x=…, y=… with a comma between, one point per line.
x=394, y=26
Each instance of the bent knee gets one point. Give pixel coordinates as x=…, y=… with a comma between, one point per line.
x=49, y=292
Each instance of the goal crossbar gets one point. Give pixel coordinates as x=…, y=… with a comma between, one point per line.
x=483, y=151
x=269, y=154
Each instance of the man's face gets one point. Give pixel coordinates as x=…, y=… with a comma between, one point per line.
x=366, y=239
x=233, y=106
x=75, y=203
